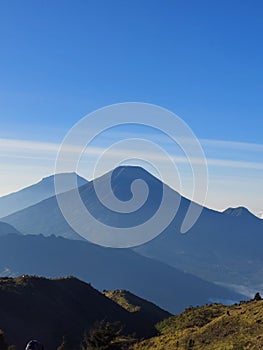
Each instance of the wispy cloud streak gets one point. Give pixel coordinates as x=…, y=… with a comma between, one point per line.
x=23, y=149
x=235, y=168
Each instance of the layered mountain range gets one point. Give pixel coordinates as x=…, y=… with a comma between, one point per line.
x=108, y=268
x=221, y=248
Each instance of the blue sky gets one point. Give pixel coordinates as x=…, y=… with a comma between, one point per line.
x=60, y=60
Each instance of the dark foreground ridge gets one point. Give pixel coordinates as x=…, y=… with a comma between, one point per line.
x=49, y=309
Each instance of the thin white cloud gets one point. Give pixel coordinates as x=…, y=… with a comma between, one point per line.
x=256, y=147
x=162, y=138
x=25, y=145
x=23, y=149
x=234, y=164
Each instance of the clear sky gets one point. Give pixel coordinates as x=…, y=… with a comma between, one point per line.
x=60, y=60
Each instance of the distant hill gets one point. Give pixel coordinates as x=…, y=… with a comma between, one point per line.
x=44, y=309
x=221, y=247
x=108, y=268
x=224, y=248
x=211, y=327
x=36, y=193
x=7, y=229
x=239, y=211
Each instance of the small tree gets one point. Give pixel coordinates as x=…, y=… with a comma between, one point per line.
x=105, y=336
x=64, y=345
x=3, y=344
x=257, y=297
x=190, y=344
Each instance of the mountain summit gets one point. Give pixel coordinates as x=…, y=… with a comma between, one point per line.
x=239, y=211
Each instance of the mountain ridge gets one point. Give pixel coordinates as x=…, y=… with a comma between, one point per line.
x=107, y=268
x=35, y=193
x=238, y=211
x=49, y=309
x=50, y=178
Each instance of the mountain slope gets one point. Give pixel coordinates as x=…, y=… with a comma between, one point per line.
x=107, y=268
x=212, y=327
x=34, y=307
x=33, y=194
x=220, y=247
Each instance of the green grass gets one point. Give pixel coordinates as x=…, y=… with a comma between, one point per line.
x=122, y=298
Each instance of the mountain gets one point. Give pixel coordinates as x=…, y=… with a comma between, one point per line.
x=47, y=309
x=33, y=194
x=108, y=268
x=37, y=219
x=237, y=327
x=221, y=247
x=239, y=211
x=6, y=229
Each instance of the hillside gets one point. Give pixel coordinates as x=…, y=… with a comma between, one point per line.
x=107, y=268
x=33, y=307
x=212, y=327
x=53, y=309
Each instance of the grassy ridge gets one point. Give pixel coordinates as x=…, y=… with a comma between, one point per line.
x=212, y=327
x=135, y=304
